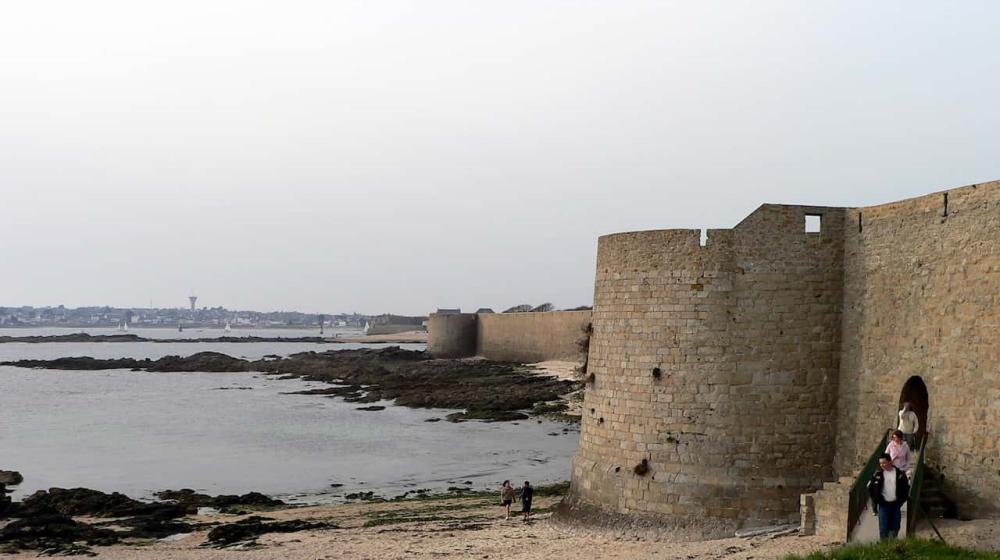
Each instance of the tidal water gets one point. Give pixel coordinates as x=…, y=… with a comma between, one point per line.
x=153, y=350
x=138, y=432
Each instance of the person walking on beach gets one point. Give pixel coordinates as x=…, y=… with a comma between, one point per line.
x=899, y=451
x=507, y=497
x=526, y=493
x=909, y=425
x=889, y=490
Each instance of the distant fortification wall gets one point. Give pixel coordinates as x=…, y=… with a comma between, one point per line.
x=532, y=337
x=922, y=300
x=451, y=335
x=515, y=337
x=717, y=366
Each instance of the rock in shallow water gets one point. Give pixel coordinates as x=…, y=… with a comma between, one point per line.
x=190, y=500
x=84, y=501
x=11, y=478
x=486, y=390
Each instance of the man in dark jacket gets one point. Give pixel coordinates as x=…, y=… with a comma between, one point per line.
x=889, y=489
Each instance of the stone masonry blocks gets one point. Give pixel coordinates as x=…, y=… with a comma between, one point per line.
x=781, y=355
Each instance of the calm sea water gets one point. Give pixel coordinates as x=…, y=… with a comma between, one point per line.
x=153, y=350
x=138, y=432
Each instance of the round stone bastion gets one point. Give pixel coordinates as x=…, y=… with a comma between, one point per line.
x=712, y=377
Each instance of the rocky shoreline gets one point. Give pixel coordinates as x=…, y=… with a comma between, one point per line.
x=68, y=522
x=435, y=526
x=63, y=521
x=84, y=337
x=482, y=389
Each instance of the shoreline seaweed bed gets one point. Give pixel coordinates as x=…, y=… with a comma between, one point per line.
x=70, y=521
x=483, y=389
x=46, y=520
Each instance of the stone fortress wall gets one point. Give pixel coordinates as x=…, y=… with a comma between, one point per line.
x=514, y=337
x=451, y=335
x=717, y=365
x=922, y=300
x=732, y=377
x=532, y=337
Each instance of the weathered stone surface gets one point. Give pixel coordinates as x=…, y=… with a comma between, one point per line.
x=922, y=298
x=750, y=370
x=718, y=365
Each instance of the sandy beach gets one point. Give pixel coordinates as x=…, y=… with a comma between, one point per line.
x=407, y=337
x=453, y=528
x=474, y=527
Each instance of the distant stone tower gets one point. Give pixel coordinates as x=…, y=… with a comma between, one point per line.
x=194, y=301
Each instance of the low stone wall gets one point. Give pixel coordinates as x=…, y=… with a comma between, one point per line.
x=532, y=337
x=510, y=337
x=825, y=512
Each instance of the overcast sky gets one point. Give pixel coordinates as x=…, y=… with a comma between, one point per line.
x=399, y=156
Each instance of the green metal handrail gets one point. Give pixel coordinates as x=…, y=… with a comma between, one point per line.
x=915, y=486
x=859, y=490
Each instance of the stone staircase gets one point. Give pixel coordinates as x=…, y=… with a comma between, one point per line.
x=824, y=512
x=933, y=500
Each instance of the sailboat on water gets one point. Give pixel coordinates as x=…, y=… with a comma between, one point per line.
x=228, y=328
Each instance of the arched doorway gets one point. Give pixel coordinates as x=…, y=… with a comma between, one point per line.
x=915, y=392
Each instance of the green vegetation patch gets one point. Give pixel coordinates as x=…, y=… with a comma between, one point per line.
x=910, y=549
x=424, y=514
x=557, y=489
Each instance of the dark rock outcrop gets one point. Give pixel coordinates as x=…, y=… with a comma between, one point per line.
x=247, y=530
x=484, y=389
x=74, y=337
x=191, y=501
x=11, y=478
x=53, y=533
x=84, y=337
x=93, y=503
x=201, y=361
x=44, y=521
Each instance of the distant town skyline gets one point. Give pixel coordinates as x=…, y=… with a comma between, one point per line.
x=403, y=157
x=173, y=317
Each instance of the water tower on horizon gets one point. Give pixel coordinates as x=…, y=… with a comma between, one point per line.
x=194, y=300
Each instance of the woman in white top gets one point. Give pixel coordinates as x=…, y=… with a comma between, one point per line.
x=909, y=425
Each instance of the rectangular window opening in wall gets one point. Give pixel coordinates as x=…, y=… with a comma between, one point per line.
x=703, y=239
x=814, y=223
